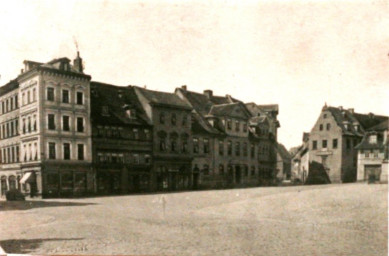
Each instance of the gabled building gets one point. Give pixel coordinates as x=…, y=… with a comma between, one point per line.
x=283, y=171
x=333, y=139
x=121, y=141
x=172, y=139
x=231, y=148
x=373, y=154
x=300, y=161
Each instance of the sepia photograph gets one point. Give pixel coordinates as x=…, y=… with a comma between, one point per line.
x=220, y=127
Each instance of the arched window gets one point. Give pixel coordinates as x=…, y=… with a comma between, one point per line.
x=12, y=182
x=3, y=183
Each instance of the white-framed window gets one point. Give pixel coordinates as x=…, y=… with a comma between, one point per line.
x=66, y=123
x=65, y=96
x=80, y=124
x=80, y=151
x=51, y=121
x=79, y=98
x=52, y=150
x=50, y=94
x=66, y=151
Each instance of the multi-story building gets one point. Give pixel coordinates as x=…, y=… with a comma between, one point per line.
x=172, y=139
x=9, y=137
x=54, y=140
x=121, y=140
x=373, y=154
x=333, y=139
x=231, y=148
x=283, y=163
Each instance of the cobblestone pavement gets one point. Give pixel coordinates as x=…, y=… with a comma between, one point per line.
x=344, y=219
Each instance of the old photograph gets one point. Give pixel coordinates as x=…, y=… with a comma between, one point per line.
x=145, y=127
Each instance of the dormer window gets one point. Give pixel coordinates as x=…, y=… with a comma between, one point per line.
x=356, y=127
x=373, y=139
x=131, y=113
x=105, y=111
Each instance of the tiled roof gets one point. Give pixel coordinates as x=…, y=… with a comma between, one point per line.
x=163, y=98
x=283, y=152
x=366, y=144
x=106, y=95
x=381, y=126
x=227, y=110
x=343, y=116
x=10, y=86
x=199, y=101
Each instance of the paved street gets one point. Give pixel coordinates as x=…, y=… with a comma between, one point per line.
x=349, y=219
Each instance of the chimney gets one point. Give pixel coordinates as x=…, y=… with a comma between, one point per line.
x=21, y=71
x=184, y=87
x=371, y=115
x=77, y=63
x=351, y=110
x=208, y=93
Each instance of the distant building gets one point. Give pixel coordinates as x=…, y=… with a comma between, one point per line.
x=283, y=163
x=300, y=161
x=373, y=154
x=333, y=139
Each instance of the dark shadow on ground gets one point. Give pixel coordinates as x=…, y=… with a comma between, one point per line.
x=27, y=205
x=28, y=245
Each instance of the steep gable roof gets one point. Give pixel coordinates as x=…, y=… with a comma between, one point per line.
x=237, y=110
x=163, y=98
x=108, y=95
x=381, y=126
x=10, y=86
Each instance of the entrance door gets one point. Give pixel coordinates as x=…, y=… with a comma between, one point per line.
x=238, y=175
x=372, y=172
x=195, y=180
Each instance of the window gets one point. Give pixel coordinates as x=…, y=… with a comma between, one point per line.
x=65, y=96
x=324, y=143
x=80, y=124
x=147, y=159
x=174, y=119
x=28, y=97
x=245, y=149
x=173, y=143
x=184, y=120
x=12, y=103
x=237, y=126
x=80, y=151
x=34, y=94
x=16, y=101
x=335, y=143
x=252, y=150
x=206, y=169
x=162, y=118
x=253, y=170
x=367, y=153
x=65, y=123
x=221, y=169
x=66, y=151
x=29, y=124
x=314, y=144
x=221, y=147
x=80, y=98
x=136, y=133
x=325, y=116
x=206, y=145
x=195, y=145
x=51, y=121
x=375, y=153
x=185, y=145
x=229, y=124
x=147, y=134
x=17, y=154
x=321, y=127
x=52, y=153
x=328, y=127
x=34, y=123
x=50, y=94
x=229, y=147
x=105, y=110
x=237, y=148
x=162, y=144
x=373, y=139
x=245, y=127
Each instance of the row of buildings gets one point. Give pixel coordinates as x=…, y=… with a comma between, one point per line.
x=65, y=135
x=348, y=146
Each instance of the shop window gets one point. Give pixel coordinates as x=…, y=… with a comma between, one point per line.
x=67, y=181
x=12, y=182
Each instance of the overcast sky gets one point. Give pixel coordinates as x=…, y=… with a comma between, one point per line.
x=296, y=54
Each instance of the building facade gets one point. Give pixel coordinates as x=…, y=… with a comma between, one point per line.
x=333, y=139
x=373, y=154
x=52, y=136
